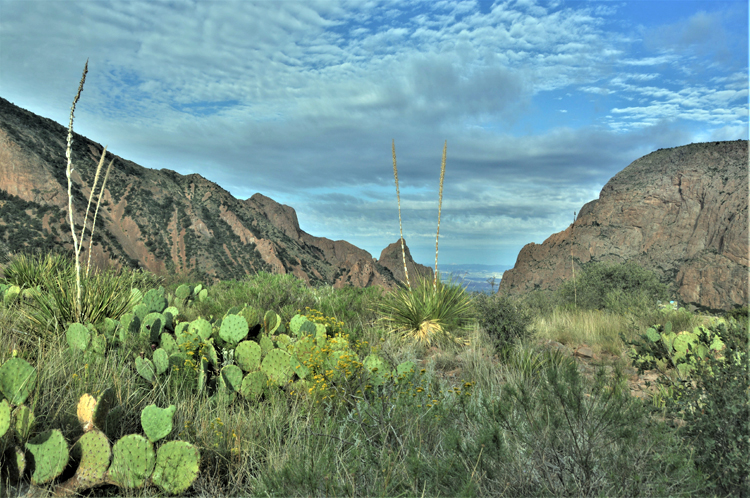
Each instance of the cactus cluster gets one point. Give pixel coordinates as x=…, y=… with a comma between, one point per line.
x=662, y=349
x=132, y=462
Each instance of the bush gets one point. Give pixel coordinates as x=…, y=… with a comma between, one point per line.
x=506, y=321
x=716, y=412
x=617, y=287
x=566, y=435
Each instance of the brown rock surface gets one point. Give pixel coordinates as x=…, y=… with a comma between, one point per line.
x=681, y=212
x=393, y=259
x=158, y=220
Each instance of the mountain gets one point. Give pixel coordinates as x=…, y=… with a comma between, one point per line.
x=681, y=212
x=158, y=220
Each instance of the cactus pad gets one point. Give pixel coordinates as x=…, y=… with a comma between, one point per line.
x=234, y=328
x=50, y=456
x=167, y=343
x=92, y=452
x=161, y=361
x=254, y=384
x=145, y=368
x=4, y=417
x=177, y=465
x=203, y=295
x=202, y=327
x=277, y=365
x=85, y=412
x=152, y=326
x=247, y=355
x=23, y=422
x=266, y=345
x=78, y=336
x=376, y=368
x=133, y=461
x=232, y=376
x=17, y=380
x=157, y=422
x=183, y=291
x=404, y=371
x=104, y=404
x=155, y=300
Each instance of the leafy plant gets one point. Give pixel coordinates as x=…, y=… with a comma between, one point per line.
x=427, y=313
x=715, y=407
x=619, y=287
x=505, y=320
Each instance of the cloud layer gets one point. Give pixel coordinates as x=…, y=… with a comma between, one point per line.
x=541, y=103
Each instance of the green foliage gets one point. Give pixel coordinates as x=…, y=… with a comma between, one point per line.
x=177, y=465
x=157, y=422
x=17, y=380
x=133, y=460
x=427, y=314
x=49, y=452
x=573, y=437
x=715, y=407
x=623, y=287
x=504, y=319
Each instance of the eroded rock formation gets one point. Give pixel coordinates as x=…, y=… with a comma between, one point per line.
x=682, y=212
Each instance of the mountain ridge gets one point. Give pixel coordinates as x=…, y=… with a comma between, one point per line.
x=158, y=220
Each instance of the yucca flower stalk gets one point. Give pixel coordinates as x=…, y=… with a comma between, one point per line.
x=440, y=207
x=398, y=198
x=69, y=170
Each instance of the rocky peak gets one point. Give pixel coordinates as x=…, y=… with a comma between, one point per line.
x=392, y=258
x=681, y=212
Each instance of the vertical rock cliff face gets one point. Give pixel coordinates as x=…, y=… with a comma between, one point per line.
x=682, y=212
x=156, y=219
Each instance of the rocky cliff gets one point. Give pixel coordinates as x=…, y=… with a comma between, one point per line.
x=156, y=219
x=682, y=212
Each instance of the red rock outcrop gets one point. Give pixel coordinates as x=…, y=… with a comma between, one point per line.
x=393, y=259
x=681, y=212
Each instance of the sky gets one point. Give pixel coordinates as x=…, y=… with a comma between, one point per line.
x=541, y=103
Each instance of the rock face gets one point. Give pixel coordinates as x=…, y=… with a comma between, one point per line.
x=392, y=258
x=157, y=220
x=681, y=212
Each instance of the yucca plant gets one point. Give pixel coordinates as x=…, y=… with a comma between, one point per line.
x=428, y=313
x=78, y=315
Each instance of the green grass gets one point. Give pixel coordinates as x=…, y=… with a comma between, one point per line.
x=478, y=426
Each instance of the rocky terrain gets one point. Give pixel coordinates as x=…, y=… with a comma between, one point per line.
x=681, y=212
x=158, y=219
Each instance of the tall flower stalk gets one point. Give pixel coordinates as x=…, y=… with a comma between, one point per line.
x=69, y=170
x=398, y=197
x=440, y=207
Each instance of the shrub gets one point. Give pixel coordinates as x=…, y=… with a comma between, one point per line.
x=617, y=287
x=569, y=436
x=505, y=320
x=716, y=412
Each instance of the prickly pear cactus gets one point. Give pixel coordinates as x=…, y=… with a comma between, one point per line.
x=4, y=417
x=277, y=366
x=85, y=411
x=92, y=452
x=234, y=328
x=247, y=355
x=271, y=322
x=203, y=295
x=49, y=452
x=160, y=361
x=266, y=345
x=201, y=327
x=145, y=369
x=152, y=326
x=104, y=403
x=183, y=291
x=155, y=301
x=141, y=310
x=157, y=422
x=377, y=369
x=133, y=460
x=23, y=422
x=130, y=324
x=177, y=465
x=253, y=385
x=232, y=377
x=17, y=380
x=78, y=336
x=404, y=372
x=168, y=343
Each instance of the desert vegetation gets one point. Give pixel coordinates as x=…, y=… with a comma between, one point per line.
x=126, y=383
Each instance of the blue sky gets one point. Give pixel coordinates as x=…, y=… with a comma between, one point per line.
x=541, y=102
